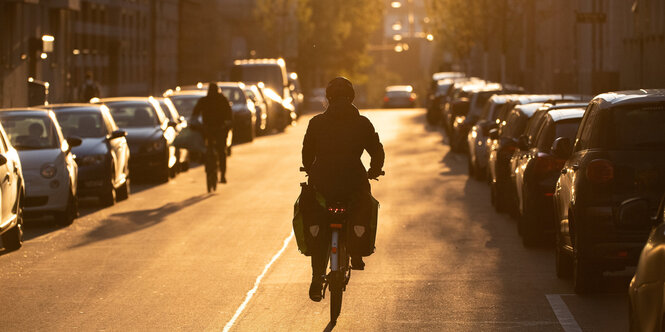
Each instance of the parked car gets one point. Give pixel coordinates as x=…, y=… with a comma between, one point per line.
x=271, y=72
x=182, y=154
x=49, y=170
x=150, y=136
x=646, y=300
x=618, y=154
x=535, y=169
x=244, y=111
x=399, y=96
x=436, y=98
x=502, y=149
x=12, y=195
x=261, y=107
x=103, y=156
x=184, y=102
x=456, y=102
x=296, y=94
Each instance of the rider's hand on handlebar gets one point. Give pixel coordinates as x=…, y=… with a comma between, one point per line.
x=373, y=173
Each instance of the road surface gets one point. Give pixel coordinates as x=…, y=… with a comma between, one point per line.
x=175, y=258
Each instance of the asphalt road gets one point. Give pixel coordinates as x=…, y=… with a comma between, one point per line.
x=175, y=258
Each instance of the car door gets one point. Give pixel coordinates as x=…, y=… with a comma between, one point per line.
x=117, y=148
x=70, y=162
x=9, y=179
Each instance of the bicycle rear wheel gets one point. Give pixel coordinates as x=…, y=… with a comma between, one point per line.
x=336, y=294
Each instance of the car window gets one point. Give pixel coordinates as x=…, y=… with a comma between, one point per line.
x=134, y=115
x=234, y=95
x=515, y=124
x=632, y=127
x=4, y=146
x=82, y=124
x=185, y=104
x=586, y=128
x=270, y=74
x=533, y=125
x=552, y=130
x=30, y=132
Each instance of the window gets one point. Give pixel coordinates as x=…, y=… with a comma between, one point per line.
x=82, y=124
x=134, y=115
x=585, y=130
x=30, y=132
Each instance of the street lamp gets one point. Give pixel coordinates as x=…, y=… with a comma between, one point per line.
x=396, y=4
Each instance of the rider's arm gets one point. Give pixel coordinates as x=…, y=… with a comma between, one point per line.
x=374, y=148
x=308, y=155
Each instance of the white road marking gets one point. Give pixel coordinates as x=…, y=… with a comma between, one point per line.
x=252, y=291
x=565, y=317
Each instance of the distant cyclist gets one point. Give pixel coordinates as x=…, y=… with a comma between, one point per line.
x=217, y=119
x=332, y=147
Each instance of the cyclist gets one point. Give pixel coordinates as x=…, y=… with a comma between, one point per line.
x=216, y=118
x=332, y=147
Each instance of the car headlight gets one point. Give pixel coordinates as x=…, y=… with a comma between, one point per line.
x=48, y=171
x=91, y=160
x=154, y=146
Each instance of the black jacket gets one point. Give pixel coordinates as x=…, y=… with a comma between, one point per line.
x=215, y=110
x=333, y=145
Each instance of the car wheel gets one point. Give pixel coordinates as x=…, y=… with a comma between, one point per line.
x=564, y=265
x=108, y=196
x=164, y=174
x=585, y=275
x=13, y=238
x=123, y=191
x=66, y=217
x=470, y=168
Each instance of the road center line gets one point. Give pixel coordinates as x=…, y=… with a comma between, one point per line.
x=565, y=317
x=252, y=291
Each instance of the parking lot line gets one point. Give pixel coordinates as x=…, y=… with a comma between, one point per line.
x=565, y=317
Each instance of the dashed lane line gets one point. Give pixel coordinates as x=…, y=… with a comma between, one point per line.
x=565, y=317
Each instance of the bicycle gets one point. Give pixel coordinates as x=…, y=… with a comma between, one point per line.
x=340, y=271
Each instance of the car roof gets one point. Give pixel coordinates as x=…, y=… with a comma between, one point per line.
x=73, y=107
x=529, y=109
x=611, y=99
x=124, y=99
x=26, y=111
x=447, y=74
x=566, y=113
x=249, y=62
x=407, y=88
x=192, y=92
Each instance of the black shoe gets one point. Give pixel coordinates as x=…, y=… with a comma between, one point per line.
x=222, y=179
x=357, y=263
x=316, y=289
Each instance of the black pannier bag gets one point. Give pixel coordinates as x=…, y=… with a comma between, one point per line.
x=310, y=210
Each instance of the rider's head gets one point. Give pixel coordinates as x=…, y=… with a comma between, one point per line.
x=340, y=89
x=213, y=89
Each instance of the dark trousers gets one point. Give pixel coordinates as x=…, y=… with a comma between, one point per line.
x=217, y=141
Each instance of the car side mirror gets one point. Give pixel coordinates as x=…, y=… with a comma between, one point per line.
x=118, y=134
x=562, y=148
x=523, y=142
x=3, y=160
x=493, y=133
x=74, y=141
x=634, y=212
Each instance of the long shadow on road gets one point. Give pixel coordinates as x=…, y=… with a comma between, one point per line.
x=123, y=223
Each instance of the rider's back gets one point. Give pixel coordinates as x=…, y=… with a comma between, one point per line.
x=333, y=146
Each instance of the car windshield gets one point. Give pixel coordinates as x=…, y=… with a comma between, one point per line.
x=397, y=93
x=234, y=95
x=134, y=115
x=269, y=74
x=30, y=132
x=81, y=124
x=634, y=127
x=185, y=104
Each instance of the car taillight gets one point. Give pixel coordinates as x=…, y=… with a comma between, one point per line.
x=600, y=171
x=385, y=99
x=412, y=97
x=546, y=164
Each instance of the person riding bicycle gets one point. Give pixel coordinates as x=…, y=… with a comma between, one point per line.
x=217, y=119
x=332, y=147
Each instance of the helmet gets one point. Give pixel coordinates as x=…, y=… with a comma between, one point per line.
x=338, y=88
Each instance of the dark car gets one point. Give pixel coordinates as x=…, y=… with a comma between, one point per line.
x=646, y=293
x=535, y=169
x=618, y=155
x=244, y=111
x=503, y=147
x=150, y=136
x=456, y=102
x=464, y=121
x=103, y=156
x=171, y=112
x=261, y=106
x=436, y=97
x=399, y=96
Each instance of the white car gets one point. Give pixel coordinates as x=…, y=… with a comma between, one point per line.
x=49, y=168
x=12, y=193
